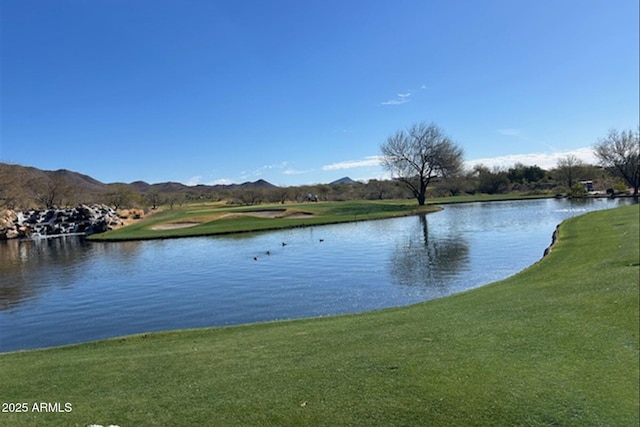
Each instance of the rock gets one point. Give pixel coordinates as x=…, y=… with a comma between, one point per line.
x=8, y=220
x=11, y=233
x=86, y=219
x=9, y=215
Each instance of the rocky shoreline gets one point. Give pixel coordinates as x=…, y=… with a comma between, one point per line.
x=554, y=239
x=80, y=220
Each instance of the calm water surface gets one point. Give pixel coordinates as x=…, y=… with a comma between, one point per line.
x=68, y=290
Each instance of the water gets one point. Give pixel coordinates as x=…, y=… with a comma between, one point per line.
x=68, y=290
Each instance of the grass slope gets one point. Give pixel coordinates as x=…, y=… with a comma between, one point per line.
x=556, y=344
x=216, y=218
x=224, y=220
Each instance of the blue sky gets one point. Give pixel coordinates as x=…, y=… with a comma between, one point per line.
x=298, y=92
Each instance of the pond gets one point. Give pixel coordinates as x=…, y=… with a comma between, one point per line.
x=68, y=290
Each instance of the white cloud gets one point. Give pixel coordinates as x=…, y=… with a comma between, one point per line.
x=194, y=180
x=381, y=176
x=350, y=164
x=292, y=171
x=221, y=181
x=244, y=175
x=280, y=165
x=402, y=98
x=544, y=160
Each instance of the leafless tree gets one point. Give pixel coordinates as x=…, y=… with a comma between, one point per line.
x=153, y=198
x=568, y=168
x=420, y=154
x=11, y=192
x=120, y=196
x=54, y=191
x=620, y=153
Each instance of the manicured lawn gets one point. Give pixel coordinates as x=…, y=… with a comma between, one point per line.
x=556, y=344
x=210, y=220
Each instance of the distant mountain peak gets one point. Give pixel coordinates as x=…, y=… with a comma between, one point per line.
x=261, y=183
x=344, y=180
x=28, y=180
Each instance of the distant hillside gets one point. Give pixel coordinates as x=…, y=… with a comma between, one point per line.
x=77, y=179
x=27, y=187
x=344, y=180
x=140, y=186
x=261, y=183
x=168, y=187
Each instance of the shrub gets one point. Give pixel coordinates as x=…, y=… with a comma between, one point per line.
x=577, y=190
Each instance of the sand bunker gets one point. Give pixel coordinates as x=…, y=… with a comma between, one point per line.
x=175, y=225
x=258, y=214
x=268, y=214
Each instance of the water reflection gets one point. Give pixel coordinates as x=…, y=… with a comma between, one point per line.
x=68, y=290
x=29, y=268
x=424, y=260
x=25, y=267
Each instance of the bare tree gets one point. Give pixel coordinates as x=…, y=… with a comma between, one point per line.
x=52, y=192
x=120, y=196
x=11, y=190
x=568, y=168
x=420, y=154
x=153, y=198
x=620, y=153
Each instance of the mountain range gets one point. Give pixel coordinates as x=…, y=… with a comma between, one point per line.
x=29, y=173
x=19, y=183
x=26, y=185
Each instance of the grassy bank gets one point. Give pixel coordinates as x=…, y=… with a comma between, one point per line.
x=556, y=344
x=212, y=219
x=202, y=220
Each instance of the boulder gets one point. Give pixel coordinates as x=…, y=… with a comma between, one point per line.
x=9, y=215
x=11, y=233
x=87, y=219
x=8, y=219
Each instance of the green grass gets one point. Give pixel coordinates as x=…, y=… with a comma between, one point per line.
x=211, y=218
x=555, y=345
x=220, y=220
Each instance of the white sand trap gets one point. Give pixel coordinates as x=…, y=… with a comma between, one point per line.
x=175, y=225
x=267, y=214
x=258, y=214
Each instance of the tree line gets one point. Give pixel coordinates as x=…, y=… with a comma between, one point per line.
x=423, y=161
x=425, y=154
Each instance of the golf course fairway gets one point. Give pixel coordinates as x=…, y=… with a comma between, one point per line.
x=554, y=345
